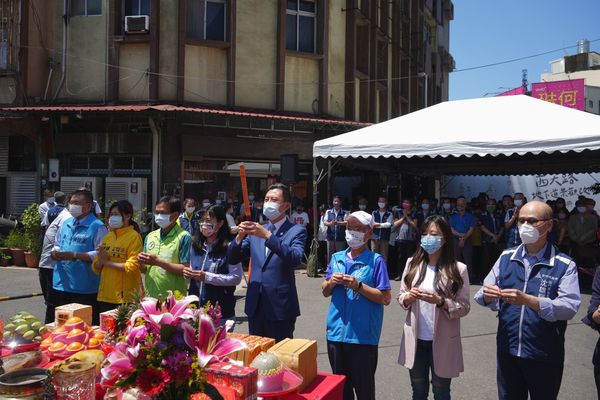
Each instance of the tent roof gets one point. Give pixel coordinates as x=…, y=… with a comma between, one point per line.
x=497, y=126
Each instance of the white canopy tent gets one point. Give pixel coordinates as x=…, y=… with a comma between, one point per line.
x=497, y=126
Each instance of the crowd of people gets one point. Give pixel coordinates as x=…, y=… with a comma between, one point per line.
x=529, y=278
x=482, y=228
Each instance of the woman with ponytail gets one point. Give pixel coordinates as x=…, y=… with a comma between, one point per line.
x=116, y=261
x=435, y=291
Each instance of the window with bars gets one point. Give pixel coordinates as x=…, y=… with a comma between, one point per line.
x=9, y=34
x=206, y=20
x=86, y=7
x=301, y=26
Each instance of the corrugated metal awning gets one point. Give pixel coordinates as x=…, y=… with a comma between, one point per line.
x=172, y=108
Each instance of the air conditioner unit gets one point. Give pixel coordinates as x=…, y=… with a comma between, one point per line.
x=137, y=24
x=135, y=190
x=69, y=184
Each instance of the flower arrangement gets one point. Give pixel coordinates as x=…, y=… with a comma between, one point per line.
x=165, y=348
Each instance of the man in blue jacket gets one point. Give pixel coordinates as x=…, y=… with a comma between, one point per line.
x=535, y=290
x=77, y=239
x=275, y=249
x=359, y=286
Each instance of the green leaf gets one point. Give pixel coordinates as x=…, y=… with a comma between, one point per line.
x=212, y=392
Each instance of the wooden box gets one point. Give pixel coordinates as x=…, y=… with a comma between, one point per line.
x=256, y=344
x=63, y=313
x=299, y=355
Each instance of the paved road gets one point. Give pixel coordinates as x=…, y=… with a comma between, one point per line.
x=478, y=332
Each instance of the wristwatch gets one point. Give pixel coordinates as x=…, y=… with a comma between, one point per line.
x=441, y=303
x=359, y=286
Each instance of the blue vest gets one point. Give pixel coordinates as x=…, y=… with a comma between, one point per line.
x=381, y=233
x=512, y=235
x=336, y=233
x=216, y=262
x=353, y=318
x=521, y=331
x=77, y=276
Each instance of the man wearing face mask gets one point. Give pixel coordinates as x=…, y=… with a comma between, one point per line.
x=535, y=290
x=582, y=229
x=492, y=229
x=446, y=209
x=335, y=221
x=510, y=221
x=276, y=249
x=383, y=219
x=77, y=239
x=362, y=204
x=47, y=204
x=359, y=286
x=300, y=216
x=189, y=219
x=166, y=251
x=463, y=224
x=425, y=211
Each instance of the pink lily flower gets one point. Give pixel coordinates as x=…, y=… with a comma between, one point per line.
x=119, y=362
x=169, y=312
x=212, y=344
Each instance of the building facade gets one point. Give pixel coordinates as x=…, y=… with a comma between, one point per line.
x=180, y=92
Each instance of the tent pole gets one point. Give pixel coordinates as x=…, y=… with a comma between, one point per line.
x=328, y=182
x=316, y=219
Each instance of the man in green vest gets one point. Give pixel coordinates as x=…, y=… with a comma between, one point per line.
x=166, y=251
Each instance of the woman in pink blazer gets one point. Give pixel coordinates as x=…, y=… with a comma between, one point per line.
x=435, y=291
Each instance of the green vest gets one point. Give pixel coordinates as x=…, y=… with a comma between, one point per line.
x=159, y=281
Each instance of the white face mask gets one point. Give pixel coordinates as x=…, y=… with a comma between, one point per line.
x=115, y=221
x=518, y=202
x=51, y=200
x=425, y=206
x=355, y=239
x=205, y=205
x=581, y=210
x=207, y=229
x=271, y=210
x=529, y=233
x=381, y=205
x=251, y=197
x=190, y=210
x=362, y=206
x=76, y=210
x=162, y=220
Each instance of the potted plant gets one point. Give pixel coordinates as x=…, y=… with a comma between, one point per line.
x=32, y=235
x=15, y=241
x=5, y=256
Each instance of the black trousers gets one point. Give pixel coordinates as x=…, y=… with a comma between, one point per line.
x=404, y=249
x=60, y=298
x=357, y=362
x=260, y=326
x=45, y=275
x=519, y=376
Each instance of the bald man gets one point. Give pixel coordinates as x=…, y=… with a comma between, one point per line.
x=534, y=289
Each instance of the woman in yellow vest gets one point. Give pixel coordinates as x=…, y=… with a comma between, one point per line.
x=116, y=262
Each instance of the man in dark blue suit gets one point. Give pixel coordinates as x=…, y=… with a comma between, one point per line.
x=275, y=249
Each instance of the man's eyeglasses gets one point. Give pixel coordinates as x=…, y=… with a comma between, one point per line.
x=532, y=221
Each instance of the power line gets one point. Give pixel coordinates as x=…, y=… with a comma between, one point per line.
x=518, y=59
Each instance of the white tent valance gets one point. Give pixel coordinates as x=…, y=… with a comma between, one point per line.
x=494, y=126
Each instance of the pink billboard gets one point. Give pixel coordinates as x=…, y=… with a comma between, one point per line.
x=513, y=92
x=566, y=93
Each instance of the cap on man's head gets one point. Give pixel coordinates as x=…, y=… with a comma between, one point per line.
x=364, y=218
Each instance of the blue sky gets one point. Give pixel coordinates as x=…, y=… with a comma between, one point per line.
x=486, y=31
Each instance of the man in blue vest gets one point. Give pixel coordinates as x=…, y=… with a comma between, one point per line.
x=359, y=286
x=383, y=221
x=510, y=221
x=535, y=290
x=73, y=280
x=335, y=221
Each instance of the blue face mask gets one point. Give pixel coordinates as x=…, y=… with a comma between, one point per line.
x=431, y=243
